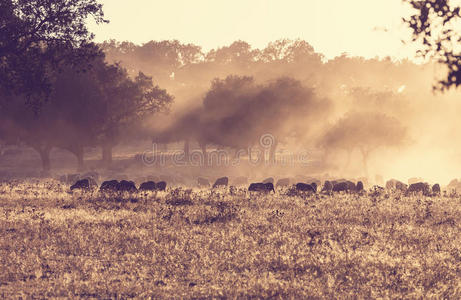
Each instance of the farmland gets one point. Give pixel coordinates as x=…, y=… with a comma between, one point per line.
x=225, y=243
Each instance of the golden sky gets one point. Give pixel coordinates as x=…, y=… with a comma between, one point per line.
x=366, y=28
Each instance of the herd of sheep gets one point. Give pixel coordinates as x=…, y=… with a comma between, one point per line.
x=311, y=186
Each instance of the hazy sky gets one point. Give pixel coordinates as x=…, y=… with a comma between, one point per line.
x=360, y=27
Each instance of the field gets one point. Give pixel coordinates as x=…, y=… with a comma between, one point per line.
x=226, y=244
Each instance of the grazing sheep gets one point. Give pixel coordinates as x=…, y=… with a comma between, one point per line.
x=394, y=184
x=83, y=184
x=203, y=182
x=359, y=186
x=454, y=185
x=401, y=186
x=284, y=182
x=223, y=181
x=109, y=186
x=304, y=187
x=160, y=186
x=261, y=187
x=340, y=187
x=126, y=186
x=344, y=186
x=390, y=184
x=327, y=187
x=269, y=180
x=419, y=187
x=364, y=180
x=436, y=189
x=314, y=180
x=73, y=178
x=148, y=186
x=314, y=186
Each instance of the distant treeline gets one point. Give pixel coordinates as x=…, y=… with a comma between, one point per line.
x=228, y=97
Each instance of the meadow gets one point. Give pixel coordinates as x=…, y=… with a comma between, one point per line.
x=229, y=243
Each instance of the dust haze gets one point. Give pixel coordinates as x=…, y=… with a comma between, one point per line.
x=349, y=117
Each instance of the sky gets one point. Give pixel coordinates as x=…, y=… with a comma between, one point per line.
x=367, y=28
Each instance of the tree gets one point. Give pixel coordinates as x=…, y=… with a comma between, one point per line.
x=435, y=24
x=74, y=106
x=36, y=36
x=19, y=124
x=159, y=59
x=237, y=112
x=67, y=120
x=365, y=131
x=125, y=103
x=91, y=108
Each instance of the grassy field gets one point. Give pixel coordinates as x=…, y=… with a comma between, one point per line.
x=226, y=244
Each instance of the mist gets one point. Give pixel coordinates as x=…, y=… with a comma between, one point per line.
x=355, y=117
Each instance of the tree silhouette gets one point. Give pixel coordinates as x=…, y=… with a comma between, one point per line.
x=365, y=131
x=434, y=25
x=124, y=104
x=91, y=108
x=36, y=36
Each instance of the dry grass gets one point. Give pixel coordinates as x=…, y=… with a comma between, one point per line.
x=203, y=244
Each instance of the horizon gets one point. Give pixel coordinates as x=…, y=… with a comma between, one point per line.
x=376, y=21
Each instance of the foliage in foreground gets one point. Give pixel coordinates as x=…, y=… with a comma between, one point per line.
x=196, y=244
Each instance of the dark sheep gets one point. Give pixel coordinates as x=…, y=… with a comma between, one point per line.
x=394, y=184
x=327, y=186
x=314, y=180
x=359, y=186
x=261, y=187
x=304, y=187
x=108, y=186
x=344, y=186
x=223, y=181
x=418, y=187
x=314, y=186
x=126, y=186
x=256, y=187
x=203, y=182
x=436, y=189
x=160, y=186
x=284, y=182
x=148, y=186
x=83, y=184
x=340, y=187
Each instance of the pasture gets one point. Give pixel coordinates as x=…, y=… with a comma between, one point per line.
x=226, y=243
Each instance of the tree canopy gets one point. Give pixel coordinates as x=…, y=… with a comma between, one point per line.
x=85, y=109
x=435, y=24
x=37, y=36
